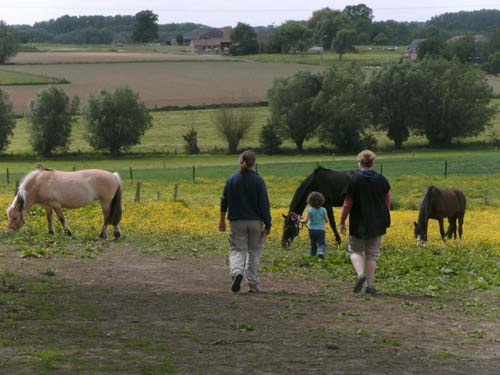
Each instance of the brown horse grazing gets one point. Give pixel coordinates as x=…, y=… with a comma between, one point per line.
x=439, y=204
x=55, y=190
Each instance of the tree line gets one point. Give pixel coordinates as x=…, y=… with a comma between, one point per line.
x=443, y=100
x=115, y=121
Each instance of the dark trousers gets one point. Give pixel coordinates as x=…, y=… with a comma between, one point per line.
x=317, y=237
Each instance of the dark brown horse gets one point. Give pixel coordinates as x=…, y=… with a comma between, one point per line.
x=329, y=183
x=439, y=204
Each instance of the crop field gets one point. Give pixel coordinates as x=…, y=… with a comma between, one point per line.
x=162, y=83
x=9, y=78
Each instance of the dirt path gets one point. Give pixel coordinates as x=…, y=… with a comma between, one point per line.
x=296, y=326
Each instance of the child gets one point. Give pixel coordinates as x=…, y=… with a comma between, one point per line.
x=317, y=217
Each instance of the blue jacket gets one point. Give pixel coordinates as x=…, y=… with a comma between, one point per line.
x=245, y=195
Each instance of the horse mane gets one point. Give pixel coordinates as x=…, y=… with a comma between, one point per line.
x=28, y=178
x=425, y=206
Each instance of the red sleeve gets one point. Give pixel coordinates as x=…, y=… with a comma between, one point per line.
x=346, y=209
x=388, y=200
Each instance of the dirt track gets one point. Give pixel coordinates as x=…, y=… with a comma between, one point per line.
x=295, y=326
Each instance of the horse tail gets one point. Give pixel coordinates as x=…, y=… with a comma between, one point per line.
x=462, y=201
x=115, y=212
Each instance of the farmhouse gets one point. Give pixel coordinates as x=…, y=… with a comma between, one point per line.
x=213, y=41
x=411, y=49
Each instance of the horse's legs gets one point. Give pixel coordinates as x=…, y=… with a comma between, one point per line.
x=441, y=229
x=105, y=213
x=61, y=218
x=50, y=221
x=331, y=218
x=116, y=231
x=460, y=223
x=452, y=227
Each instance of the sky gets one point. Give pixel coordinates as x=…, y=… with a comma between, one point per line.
x=218, y=13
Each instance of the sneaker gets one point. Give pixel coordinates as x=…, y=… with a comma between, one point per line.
x=235, y=287
x=359, y=284
x=253, y=289
x=321, y=256
x=371, y=290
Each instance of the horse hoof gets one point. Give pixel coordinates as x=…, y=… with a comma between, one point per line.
x=103, y=236
x=68, y=233
x=51, y=232
x=117, y=235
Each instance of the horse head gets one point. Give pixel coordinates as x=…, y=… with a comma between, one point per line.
x=290, y=228
x=420, y=233
x=15, y=212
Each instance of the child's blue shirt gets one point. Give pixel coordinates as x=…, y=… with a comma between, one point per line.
x=316, y=218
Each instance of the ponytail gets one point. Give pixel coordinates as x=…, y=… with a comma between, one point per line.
x=247, y=161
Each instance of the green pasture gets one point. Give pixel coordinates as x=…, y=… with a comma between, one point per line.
x=46, y=47
x=165, y=136
x=364, y=57
x=477, y=173
x=9, y=78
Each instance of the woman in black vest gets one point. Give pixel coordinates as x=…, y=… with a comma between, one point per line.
x=367, y=201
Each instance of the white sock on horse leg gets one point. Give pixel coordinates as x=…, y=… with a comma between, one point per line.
x=359, y=263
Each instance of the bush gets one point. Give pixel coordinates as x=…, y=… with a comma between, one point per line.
x=8, y=42
x=7, y=121
x=233, y=125
x=191, y=138
x=116, y=121
x=49, y=118
x=269, y=138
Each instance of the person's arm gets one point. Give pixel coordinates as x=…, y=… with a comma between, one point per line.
x=265, y=207
x=388, y=200
x=223, y=209
x=304, y=219
x=346, y=208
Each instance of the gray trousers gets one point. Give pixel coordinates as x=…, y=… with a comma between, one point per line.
x=246, y=240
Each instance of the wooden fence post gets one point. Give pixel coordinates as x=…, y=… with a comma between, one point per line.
x=257, y=168
x=138, y=192
x=194, y=173
x=486, y=203
x=445, y=168
x=158, y=195
x=381, y=169
x=8, y=176
x=131, y=176
x=176, y=187
x=74, y=168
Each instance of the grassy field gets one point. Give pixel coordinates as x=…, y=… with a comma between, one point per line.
x=9, y=78
x=365, y=57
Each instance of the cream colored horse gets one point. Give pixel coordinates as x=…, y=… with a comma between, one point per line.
x=55, y=190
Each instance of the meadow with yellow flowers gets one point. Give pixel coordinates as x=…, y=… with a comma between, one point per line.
x=187, y=227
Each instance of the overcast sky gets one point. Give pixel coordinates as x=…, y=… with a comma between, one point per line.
x=227, y=13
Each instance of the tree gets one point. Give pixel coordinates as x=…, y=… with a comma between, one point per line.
x=244, y=40
x=464, y=48
x=343, y=108
x=116, y=121
x=380, y=38
x=191, y=139
x=455, y=102
x=7, y=120
x=145, y=27
x=270, y=140
x=430, y=47
x=395, y=100
x=292, y=36
x=179, y=39
x=8, y=42
x=50, y=117
x=325, y=23
x=360, y=16
x=493, y=64
x=291, y=101
x=233, y=125
x=344, y=42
